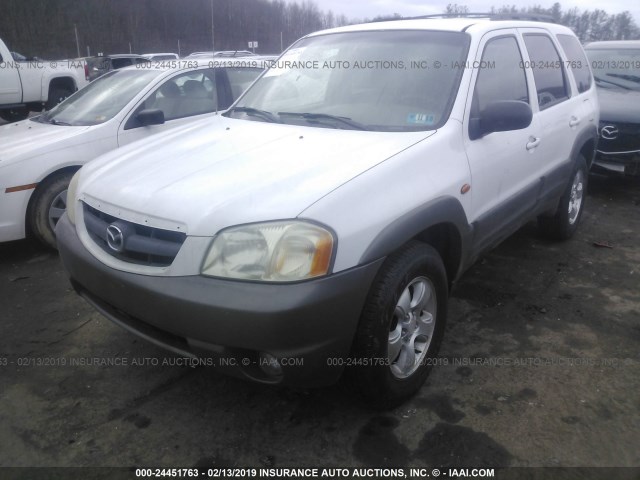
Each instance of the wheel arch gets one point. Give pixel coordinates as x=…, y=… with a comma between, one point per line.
x=585, y=145
x=441, y=223
x=447, y=241
x=68, y=83
x=42, y=184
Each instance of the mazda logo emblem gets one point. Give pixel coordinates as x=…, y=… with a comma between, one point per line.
x=610, y=132
x=115, y=238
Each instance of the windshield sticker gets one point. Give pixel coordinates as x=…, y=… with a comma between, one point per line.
x=421, y=119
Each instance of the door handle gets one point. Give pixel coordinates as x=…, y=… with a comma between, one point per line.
x=574, y=121
x=533, y=143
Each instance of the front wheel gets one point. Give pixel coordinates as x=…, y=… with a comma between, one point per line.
x=49, y=204
x=401, y=326
x=14, y=114
x=563, y=224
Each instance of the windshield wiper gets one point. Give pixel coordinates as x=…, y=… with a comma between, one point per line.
x=625, y=76
x=318, y=117
x=602, y=80
x=53, y=121
x=254, y=112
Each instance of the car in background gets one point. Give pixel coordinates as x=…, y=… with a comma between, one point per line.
x=29, y=84
x=161, y=56
x=40, y=155
x=98, y=66
x=223, y=53
x=18, y=57
x=616, y=68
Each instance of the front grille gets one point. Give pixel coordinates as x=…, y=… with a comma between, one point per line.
x=139, y=244
x=628, y=138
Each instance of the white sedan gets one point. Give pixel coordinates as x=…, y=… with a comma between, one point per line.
x=39, y=156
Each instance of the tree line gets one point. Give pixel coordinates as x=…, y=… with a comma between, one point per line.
x=589, y=25
x=49, y=28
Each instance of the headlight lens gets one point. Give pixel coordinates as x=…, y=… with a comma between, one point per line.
x=71, y=195
x=273, y=252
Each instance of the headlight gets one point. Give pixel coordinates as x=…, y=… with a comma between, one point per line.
x=274, y=252
x=71, y=198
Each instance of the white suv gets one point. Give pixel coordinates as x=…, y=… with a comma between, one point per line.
x=323, y=221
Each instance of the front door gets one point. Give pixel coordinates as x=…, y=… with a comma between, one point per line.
x=505, y=166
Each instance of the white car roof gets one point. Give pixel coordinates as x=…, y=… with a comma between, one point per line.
x=474, y=25
x=159, y=53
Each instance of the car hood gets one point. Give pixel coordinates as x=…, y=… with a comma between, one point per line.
x=619, y=105
x=27, y=139
x=211, y=175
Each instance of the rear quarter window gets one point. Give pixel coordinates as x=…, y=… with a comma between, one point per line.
x=578, y=63
x=121, y=62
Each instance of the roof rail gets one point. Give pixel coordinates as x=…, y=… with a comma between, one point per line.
x=535, y=17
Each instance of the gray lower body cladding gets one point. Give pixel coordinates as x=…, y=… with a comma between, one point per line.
x=308, y=323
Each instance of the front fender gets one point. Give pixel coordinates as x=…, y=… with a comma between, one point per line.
x=443, y=210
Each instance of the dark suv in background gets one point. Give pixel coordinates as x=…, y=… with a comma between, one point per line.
x=616, y=68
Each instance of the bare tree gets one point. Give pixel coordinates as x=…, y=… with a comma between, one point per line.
x=588, y=25
x=454, y=9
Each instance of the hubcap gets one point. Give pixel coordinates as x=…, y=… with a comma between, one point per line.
x=57, y=208
x=575, y=199
x=412, y=327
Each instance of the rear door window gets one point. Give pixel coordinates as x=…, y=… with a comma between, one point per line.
x=121, y=62
x=548, y=70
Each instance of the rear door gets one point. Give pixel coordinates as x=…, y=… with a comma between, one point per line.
x=559, y=114
x=578, y=65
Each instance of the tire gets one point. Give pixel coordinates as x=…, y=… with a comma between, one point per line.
x=391, y=327
x=14, y=114
x=57, y=95
x=49, y=203
x=564, y=223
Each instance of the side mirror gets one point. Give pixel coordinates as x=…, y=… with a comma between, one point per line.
x=501, y=116
x=150, y=117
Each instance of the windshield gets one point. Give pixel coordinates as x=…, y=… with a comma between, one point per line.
x=382, y=80
x=616, y=67
x=101, y=100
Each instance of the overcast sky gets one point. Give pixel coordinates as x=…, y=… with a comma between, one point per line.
x=371, y=8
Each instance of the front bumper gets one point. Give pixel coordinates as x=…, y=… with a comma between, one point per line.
x=304, y=325
x=13, y=209
x=627, y=163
